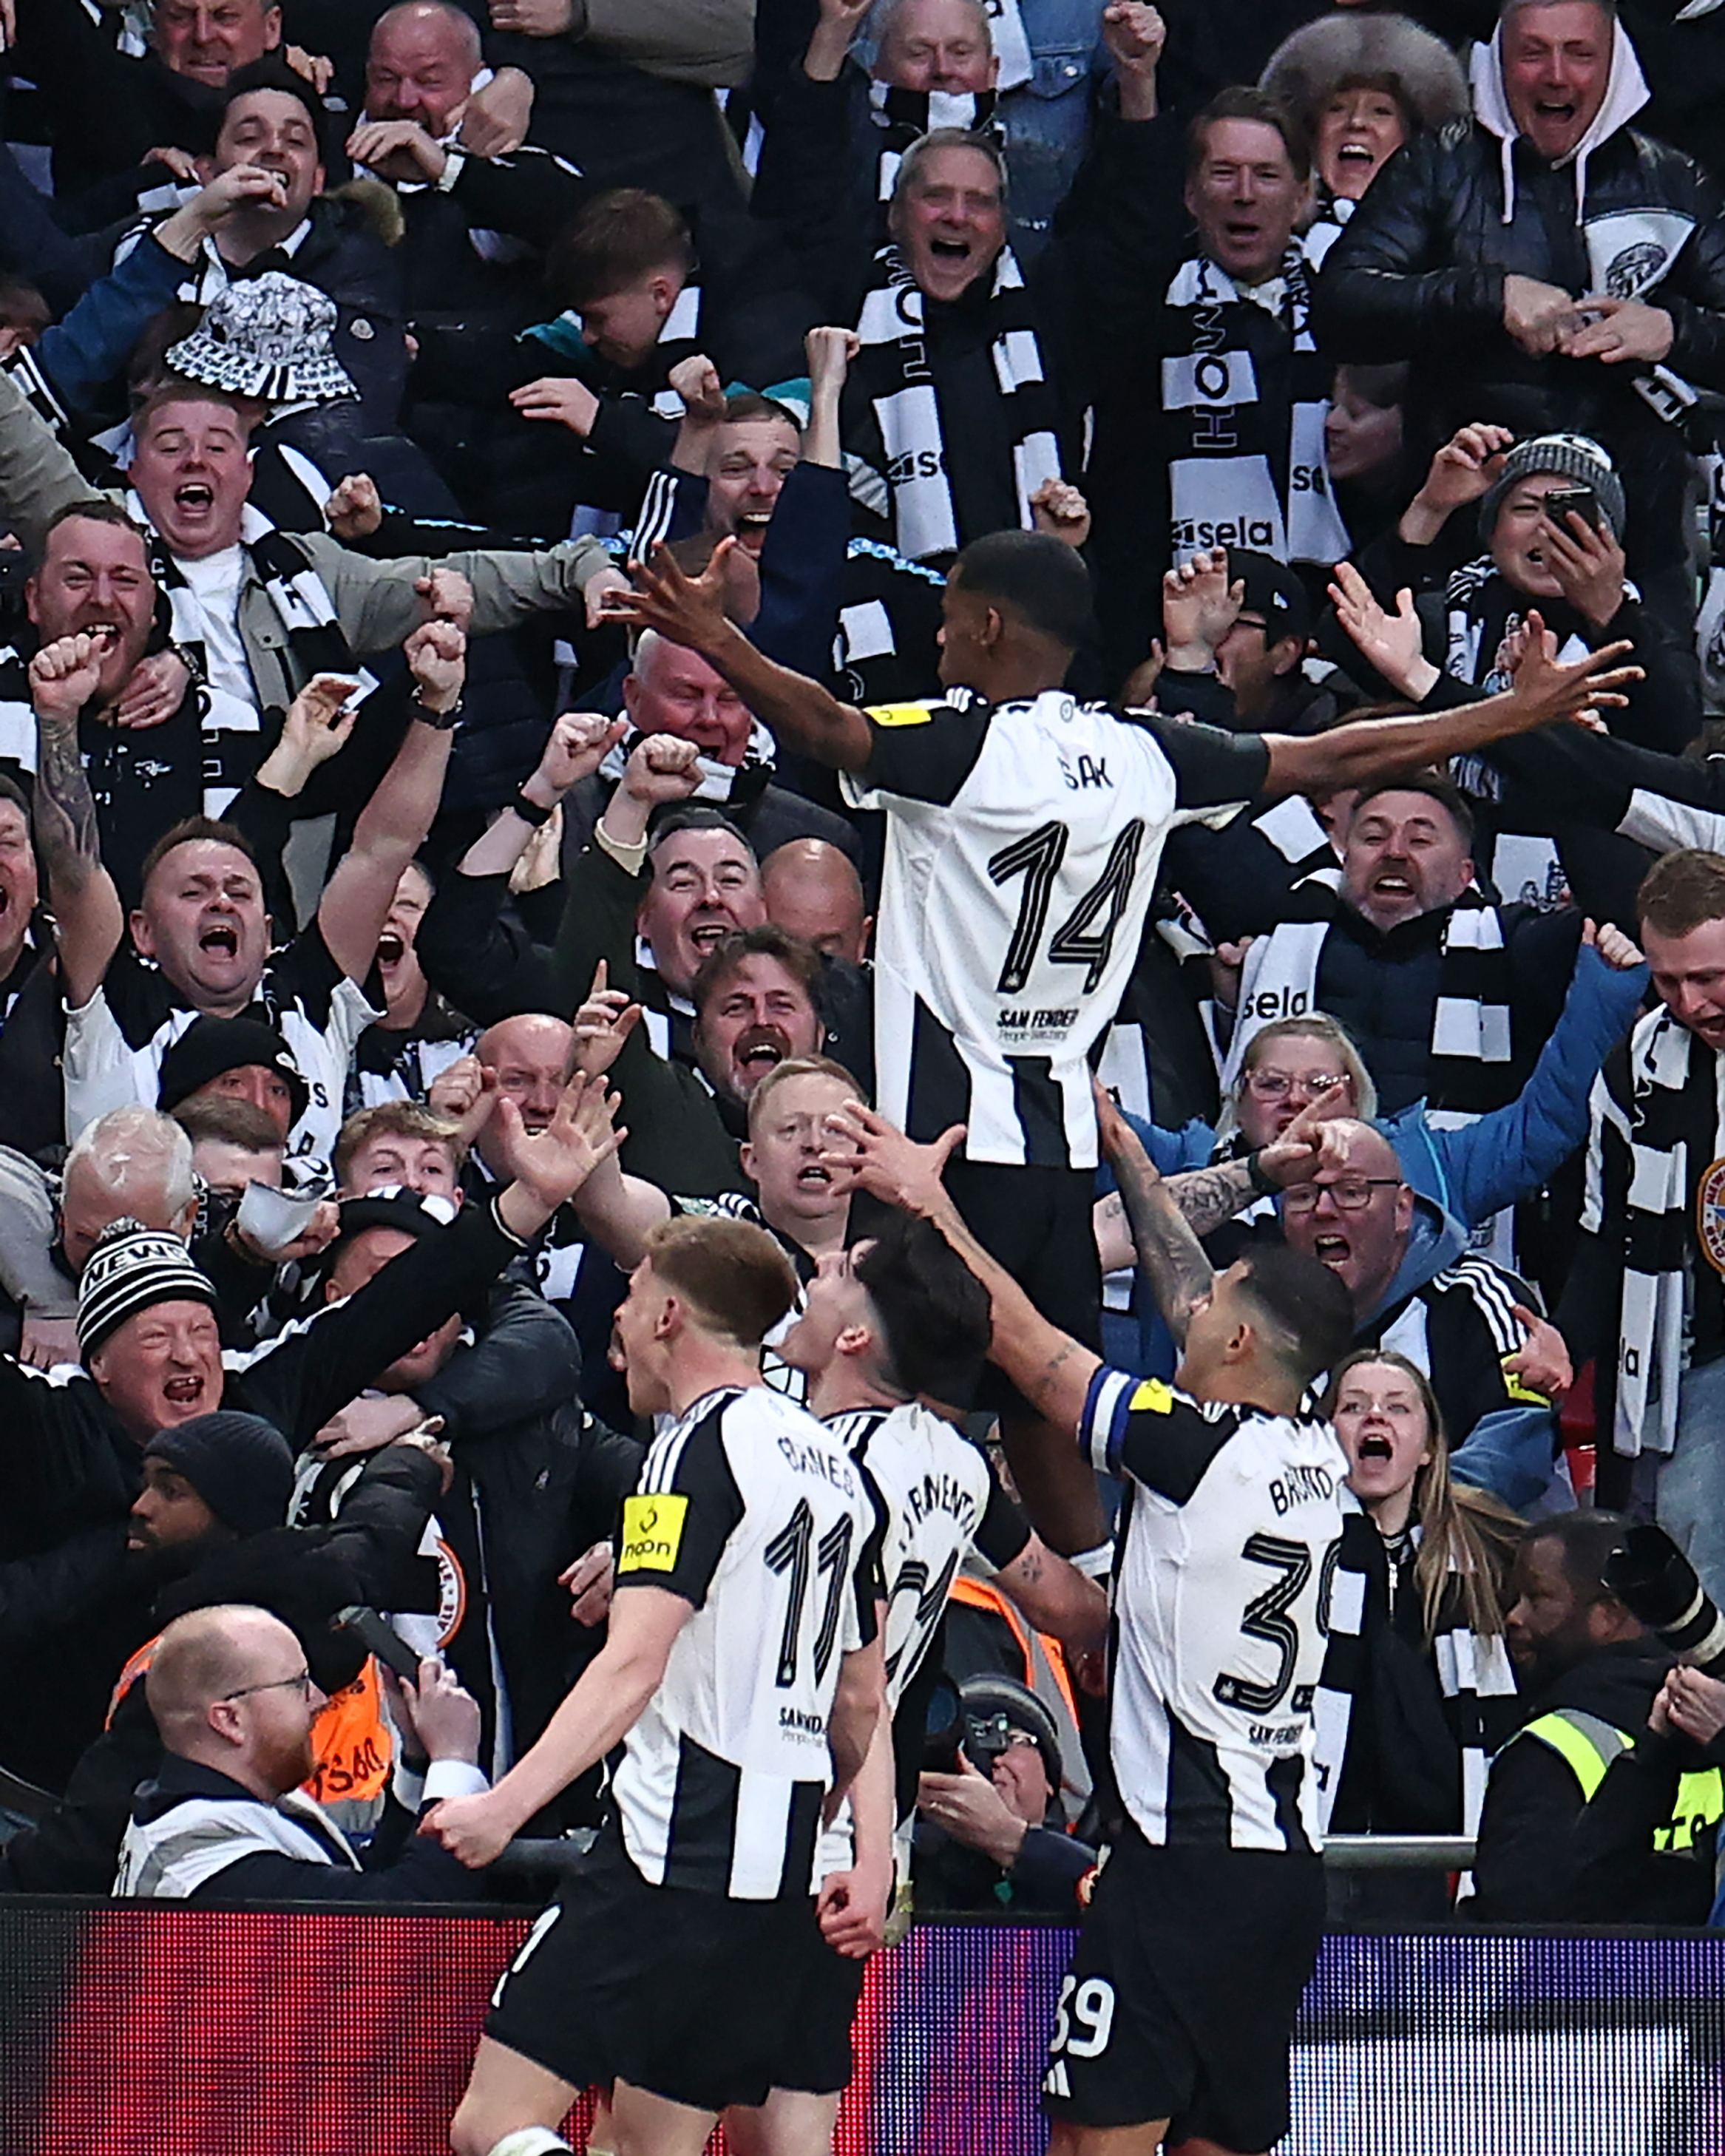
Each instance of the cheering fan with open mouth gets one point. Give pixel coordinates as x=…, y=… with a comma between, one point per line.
x=1418, y=1689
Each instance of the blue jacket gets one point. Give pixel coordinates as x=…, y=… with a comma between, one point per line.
x=1477, y=1171
x=1502, y=1436
x=1471, y=1172
x=87, y=351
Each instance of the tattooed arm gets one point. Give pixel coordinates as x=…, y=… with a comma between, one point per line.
x=1206, y=1197
x=89, y=923
x=1169, y=1254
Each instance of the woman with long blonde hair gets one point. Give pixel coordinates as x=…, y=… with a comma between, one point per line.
x=1418, y=1691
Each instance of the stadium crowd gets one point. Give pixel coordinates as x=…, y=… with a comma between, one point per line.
x=896, y=819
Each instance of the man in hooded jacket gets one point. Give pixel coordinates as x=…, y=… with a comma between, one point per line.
x=1547, y=267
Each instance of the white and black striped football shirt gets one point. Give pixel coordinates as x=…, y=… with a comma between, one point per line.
x=749, y=1509
x=115, y=1043
x=1227, y=1543
x=936, y=1499
x=1023, y=841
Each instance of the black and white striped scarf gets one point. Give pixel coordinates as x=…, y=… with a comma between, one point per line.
x=905, y=116
x=1473, y=1670
x=680, y=338
x=1471, y=1070
x=1244, y=395
x=1665, y=1097
x=898, y=458
x=733, y=785
x=1482, y=610
x=233, y=731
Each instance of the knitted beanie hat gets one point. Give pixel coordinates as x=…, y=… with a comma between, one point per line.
x=241, y=1466
x=131, y=1267
x=1572, y=456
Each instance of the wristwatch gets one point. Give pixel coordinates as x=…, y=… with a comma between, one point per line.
x=443, y=721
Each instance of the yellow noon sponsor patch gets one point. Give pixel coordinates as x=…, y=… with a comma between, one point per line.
x=652, y=1533
x=1517, y=1391
x=1154, y=1395
x=902, y=715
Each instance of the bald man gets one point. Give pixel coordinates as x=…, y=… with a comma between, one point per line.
x=225, y=1819
x=421, y=67
x=1416, y=1287
x=814, y=890
x=131, y=1161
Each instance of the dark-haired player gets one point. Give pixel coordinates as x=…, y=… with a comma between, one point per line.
x=896, y=1319
x=1025, y=830
x=1173, y=2026
x=740, y=1675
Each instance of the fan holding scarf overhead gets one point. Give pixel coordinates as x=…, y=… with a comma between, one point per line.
x=841, y=104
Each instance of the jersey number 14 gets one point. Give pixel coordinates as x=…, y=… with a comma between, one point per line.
x=1086, y=936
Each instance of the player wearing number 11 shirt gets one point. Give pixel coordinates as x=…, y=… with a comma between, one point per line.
x=742, y=1676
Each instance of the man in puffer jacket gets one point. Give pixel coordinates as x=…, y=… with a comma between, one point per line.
x=1546, y=268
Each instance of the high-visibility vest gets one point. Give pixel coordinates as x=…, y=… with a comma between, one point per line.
x=351, y=1741
x=1041, y=1653
x=1587, y=1745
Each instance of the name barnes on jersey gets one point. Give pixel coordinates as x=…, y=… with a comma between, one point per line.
x=810, y=1459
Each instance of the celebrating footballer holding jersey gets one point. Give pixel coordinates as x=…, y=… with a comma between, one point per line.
x=1024, y=831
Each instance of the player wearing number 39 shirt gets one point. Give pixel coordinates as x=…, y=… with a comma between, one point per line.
x=1024, y=835
x=1175, y=2020
x=741, y=1675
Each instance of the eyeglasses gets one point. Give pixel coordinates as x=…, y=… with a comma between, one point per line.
x=1277, y=1085
x=1350, y=1193
x=300, y=1684
x=1015, y=1738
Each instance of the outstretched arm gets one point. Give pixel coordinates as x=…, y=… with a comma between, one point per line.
x=87, y=906
x=1543, y=690
x=1169, y=1254
x=689, y=611
x=606, y=1703
x=391, y=826
x=1052, y=1370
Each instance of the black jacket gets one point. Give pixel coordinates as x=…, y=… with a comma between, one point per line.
x=302, y=1575
x=1525, y=1869
x=1384, y=986
x=529, y=196
x=106, y=109
x=1045, y=1877
x=1418, y=275
x=527, y=1502
x=533, y=1489
x=74, y=1464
